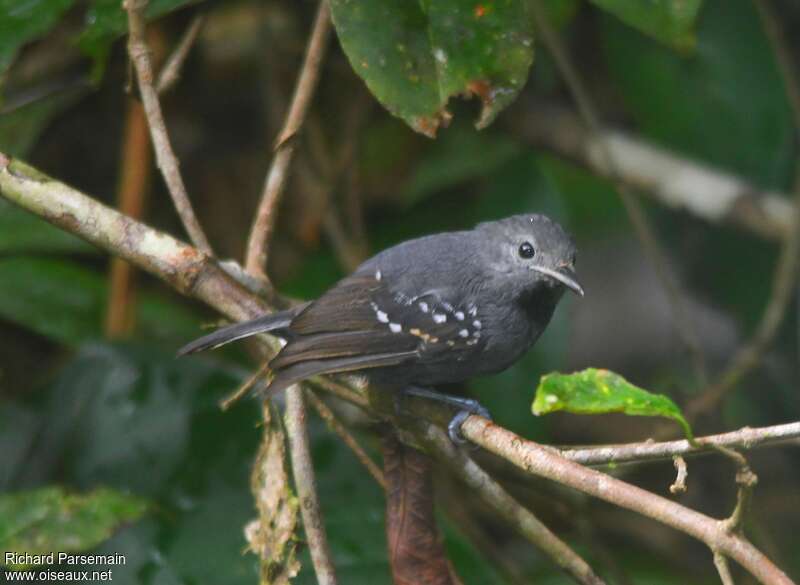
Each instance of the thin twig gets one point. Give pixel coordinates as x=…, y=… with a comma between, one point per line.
x=337, y=427
x=522, y=519
x=246, y=386
x=275, y=183
x=303, y=471
x=633, y=207
x=746, y=438
x=786, y=270
x=721, y=563
x=541, y=461
x=165, y=156
x=194, y=274
x=171, y=72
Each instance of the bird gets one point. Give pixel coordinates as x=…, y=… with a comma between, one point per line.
x=430, y=311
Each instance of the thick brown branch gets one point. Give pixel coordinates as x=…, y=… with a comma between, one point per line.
x=275, y=183
x=542, y=461
x=165, y=157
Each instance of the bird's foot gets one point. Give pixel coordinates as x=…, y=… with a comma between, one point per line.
x=466, y=407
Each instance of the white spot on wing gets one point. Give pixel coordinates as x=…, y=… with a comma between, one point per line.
x=463, y=333
x=382, y=317
x=473, y=310
x=460, y=315
x=395, y=327
x=439, y=317
x=378, y=275
x=476, y=324
x=423, y=306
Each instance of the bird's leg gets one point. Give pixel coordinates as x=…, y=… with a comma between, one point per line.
x=466, y=407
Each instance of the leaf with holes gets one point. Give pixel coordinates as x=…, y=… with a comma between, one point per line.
x=47, y=520
x=595, y=391
x=415, y=56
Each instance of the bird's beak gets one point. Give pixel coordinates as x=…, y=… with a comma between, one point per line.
x=565, y=276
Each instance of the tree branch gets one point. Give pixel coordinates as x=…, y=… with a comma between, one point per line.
x=171, y=72
x=746, y=438
x=165, y=157
x=519, y=517
x=672, y=180
x=275, y=183
x=543, y=462
x=303, y=471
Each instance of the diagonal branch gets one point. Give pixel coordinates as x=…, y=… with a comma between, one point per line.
x=275, y=183
x=165, y=157
x=541, y=461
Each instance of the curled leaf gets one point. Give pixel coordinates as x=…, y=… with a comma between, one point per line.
x=595, y=391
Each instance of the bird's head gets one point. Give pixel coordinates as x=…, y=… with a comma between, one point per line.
x=530, y=253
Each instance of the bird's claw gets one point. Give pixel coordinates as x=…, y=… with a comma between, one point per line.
x=454, y=426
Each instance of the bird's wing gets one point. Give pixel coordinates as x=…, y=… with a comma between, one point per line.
x=361, y=323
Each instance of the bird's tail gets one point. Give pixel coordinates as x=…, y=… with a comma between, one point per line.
x=271, y=322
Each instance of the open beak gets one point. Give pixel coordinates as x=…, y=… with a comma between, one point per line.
x=565, y=276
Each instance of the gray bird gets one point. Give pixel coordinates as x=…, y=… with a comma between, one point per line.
x=434, y=310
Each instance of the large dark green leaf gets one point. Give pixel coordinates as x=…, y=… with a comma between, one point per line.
x=670, y=21
x=415, y=56
x=50, y=520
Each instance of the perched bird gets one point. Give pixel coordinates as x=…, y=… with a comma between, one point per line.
x=434, y=310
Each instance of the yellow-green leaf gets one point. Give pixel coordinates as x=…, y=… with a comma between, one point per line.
x=595, y=391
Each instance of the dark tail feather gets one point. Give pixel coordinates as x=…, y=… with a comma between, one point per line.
x=302, y=370
x=238, y=331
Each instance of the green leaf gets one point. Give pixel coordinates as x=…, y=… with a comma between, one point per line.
x=22, y=22
x=669, y=21
x=595, y=391
x=414, y=56
x=48, y=520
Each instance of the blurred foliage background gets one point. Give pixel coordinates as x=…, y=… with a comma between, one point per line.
x=83, y=407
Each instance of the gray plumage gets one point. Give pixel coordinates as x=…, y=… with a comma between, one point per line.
x=433, y=310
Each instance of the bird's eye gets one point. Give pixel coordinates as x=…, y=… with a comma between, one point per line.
x=526, y=250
